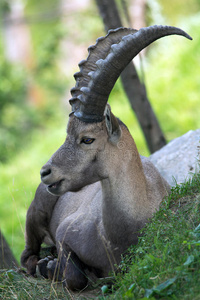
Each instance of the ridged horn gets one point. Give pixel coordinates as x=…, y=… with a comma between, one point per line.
x=105, y=62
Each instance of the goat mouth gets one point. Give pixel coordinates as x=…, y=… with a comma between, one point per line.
x=54, y=187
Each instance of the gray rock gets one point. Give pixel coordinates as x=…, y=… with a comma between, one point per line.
x=180, y=158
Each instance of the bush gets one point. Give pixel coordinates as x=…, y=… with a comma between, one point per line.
x=29, y=98
x=12, y=101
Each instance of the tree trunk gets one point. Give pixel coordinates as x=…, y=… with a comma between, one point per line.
x=134, y=89
x=7, y=259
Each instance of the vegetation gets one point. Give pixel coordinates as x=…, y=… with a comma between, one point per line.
x=31, y=132
x=166, y=262
x=20, y=117
x=26, y=86
x=12, y=93
x=23, y=126
x=19, y=180
x=164, y=265
x=173, y=87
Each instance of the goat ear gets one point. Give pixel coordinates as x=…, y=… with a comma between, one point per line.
x=112, y=125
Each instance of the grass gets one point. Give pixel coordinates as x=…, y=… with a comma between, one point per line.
x=15, y=285
x=173, y=86
x=164, y=265
x=177, y=113
x=166, y=262
x=19, y=179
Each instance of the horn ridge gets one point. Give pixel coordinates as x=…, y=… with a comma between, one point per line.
x=105, y=62
x=99, y=50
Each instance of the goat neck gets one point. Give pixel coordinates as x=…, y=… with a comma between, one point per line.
x=125, y=205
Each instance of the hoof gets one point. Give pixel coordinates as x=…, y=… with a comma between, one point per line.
x=31, y=264
x=54, y=271
x=42, y=266
x=76, y=284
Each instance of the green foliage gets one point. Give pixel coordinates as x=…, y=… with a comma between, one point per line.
x=165, y=264
x=175, y=10
x=173, y=80
x=18, y=115
x=15, y=285
x=12, y=95
x=166, y=261
x=19, y=179
x=30, y=98
x=46, y=72
x=4, y=7
x=12, y=87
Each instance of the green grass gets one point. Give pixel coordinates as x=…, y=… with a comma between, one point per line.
x=164, y=265
x=19, y=179
x=172, y=79
x=166, y=262
x=173, y=88
x=16, y=285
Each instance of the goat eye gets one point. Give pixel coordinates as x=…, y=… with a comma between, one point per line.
x=87, y=141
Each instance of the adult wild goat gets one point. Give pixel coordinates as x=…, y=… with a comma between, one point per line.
x=96, y=191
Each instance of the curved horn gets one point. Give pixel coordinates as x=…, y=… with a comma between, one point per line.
x=105, y=62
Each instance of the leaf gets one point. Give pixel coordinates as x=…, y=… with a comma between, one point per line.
x=130, y=290
x=145, y=298
x=10, y=274
x=131, y=287
x=197, y=229
x=189, y=260
x=104, y=289
x=152, y=259
x=196, y=232
x=196, y=243
x=161, y=287
x=3, y=286
x=13, y=275
x=148, y=293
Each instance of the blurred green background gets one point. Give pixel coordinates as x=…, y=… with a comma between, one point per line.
x=35, y=81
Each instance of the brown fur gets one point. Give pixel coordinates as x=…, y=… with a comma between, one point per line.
x=106, y=195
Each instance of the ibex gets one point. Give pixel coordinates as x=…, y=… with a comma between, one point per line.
x=97, y=192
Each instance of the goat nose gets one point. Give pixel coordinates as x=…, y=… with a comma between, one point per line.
x=45, y=171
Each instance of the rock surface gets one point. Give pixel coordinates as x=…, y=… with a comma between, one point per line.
x=178, y=160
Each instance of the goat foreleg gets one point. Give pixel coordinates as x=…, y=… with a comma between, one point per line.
x=66, y=268
x=37, y=222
